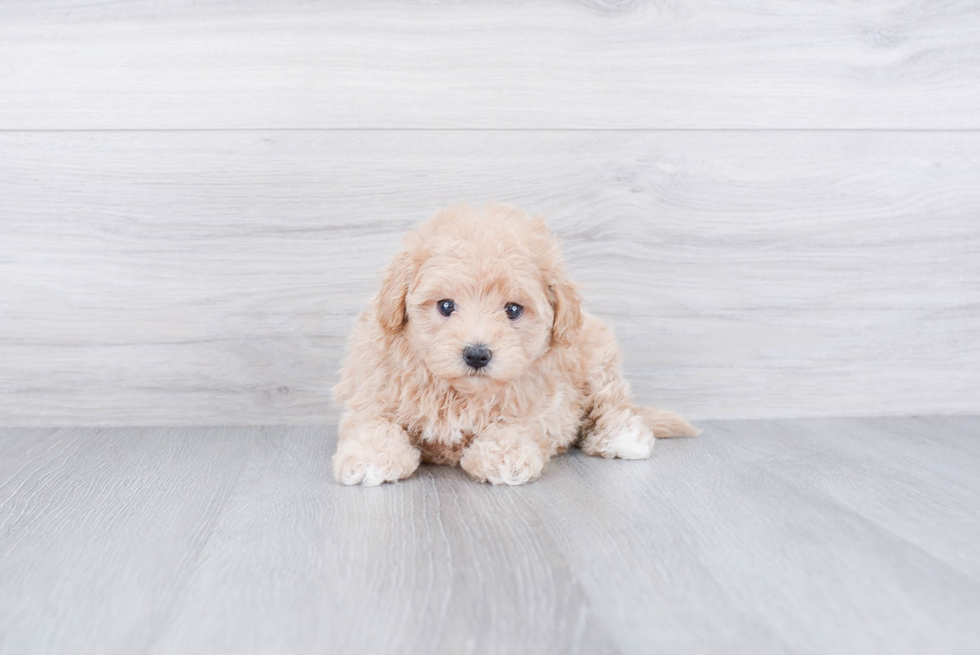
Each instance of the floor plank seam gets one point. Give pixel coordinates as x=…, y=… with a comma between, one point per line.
x=195, y=566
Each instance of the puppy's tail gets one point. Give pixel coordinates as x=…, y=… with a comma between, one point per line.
x=665, y=423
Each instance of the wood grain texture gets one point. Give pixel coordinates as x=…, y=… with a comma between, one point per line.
x=112, y=523
x=779, y=565
x=827, y=536
x=73, y=64
x=210, y=278
x=905, y=475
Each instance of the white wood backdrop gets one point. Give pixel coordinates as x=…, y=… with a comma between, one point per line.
x=195, y=201
x=693, y=64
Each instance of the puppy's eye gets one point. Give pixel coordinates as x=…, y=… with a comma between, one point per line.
x=513, y=310
x=446, y=307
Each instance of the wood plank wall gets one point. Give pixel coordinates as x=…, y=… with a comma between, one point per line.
x=776, y=205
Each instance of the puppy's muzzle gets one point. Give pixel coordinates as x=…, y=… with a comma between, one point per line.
x=476, y=357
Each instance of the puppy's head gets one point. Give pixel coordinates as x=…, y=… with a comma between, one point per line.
x=479, y=296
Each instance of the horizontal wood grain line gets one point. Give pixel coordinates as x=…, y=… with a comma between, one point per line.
x=687, y=64
x=555, y=130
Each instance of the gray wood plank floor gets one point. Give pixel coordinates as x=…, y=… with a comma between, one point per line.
x=808, y=536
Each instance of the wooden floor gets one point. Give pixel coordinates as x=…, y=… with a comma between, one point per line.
x=804, y=536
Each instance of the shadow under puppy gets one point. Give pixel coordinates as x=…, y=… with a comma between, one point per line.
x=476, y=351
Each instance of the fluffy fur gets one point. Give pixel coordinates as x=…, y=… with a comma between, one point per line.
x=553, y=380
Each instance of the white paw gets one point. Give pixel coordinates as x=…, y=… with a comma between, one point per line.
x=634, y=440
x=510, y=461
x=359, y=463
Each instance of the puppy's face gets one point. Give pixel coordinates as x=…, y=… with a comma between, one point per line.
x=479, y=299
x=474, y=321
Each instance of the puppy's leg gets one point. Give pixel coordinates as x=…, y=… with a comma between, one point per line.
x=615, y=427
x=373, y=451
x=506, y=454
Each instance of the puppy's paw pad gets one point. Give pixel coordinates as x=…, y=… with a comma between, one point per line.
x=354, y=465
x=634, y=440
x=503, y=463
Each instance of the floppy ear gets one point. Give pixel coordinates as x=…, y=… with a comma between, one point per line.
x=567, y=305
x=390, y=301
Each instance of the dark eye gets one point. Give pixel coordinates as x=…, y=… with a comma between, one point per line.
x=446, y=307
x=513, y=310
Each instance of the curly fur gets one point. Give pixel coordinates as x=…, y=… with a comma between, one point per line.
x=553, y=380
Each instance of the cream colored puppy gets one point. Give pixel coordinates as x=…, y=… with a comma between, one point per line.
x=476, y=351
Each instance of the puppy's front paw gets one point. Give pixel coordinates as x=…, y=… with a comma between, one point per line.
x=507, y=460
x=630, y=439
x=359, y=462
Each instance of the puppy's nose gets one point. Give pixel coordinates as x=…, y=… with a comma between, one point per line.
x=476, y=356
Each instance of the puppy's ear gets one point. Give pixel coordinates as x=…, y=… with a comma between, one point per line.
x=567, y=305
x=390, y=301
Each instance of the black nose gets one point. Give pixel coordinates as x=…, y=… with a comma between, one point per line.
x=476, y=356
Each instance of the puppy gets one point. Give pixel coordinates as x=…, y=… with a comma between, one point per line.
x=476, y=351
